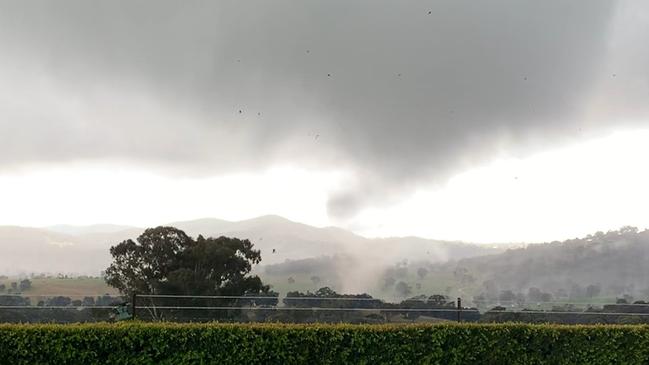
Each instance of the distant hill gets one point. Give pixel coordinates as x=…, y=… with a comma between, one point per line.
x=84, y=249
x=82, y=230
x=297, y=256
x=293, y=241
x=278, y=238
x=616, y=262
x=26, y=250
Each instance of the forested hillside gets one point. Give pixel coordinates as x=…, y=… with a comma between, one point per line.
x=608, y=264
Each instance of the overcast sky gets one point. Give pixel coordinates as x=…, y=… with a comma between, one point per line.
x=486, y=121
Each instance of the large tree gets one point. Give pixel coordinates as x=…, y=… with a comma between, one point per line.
x=164, y=260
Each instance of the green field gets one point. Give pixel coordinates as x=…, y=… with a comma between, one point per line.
x=71, y=287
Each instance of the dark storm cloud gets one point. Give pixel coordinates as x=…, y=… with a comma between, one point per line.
x=399, y=92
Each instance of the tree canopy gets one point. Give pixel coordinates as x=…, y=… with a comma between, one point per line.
x=165, y=260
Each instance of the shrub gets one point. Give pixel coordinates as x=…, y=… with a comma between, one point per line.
x=166, y=343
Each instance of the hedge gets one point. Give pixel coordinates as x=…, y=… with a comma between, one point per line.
x=166, y=343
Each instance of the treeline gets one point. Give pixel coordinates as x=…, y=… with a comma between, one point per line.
x=322, y=306
x=58, y=309
x=375, y=310
x=327, y=306
x=16, y=286
x=620, y=313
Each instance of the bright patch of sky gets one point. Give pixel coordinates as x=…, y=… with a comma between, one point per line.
x=599, y=184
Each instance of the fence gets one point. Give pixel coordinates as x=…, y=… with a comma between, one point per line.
x=189, y=308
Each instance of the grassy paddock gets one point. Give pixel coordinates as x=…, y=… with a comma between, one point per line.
x=74, y=287
x=166, y=343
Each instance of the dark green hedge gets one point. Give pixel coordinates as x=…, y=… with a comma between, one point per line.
x=142, y=343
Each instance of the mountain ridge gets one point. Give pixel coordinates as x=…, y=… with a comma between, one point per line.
x=278, y=238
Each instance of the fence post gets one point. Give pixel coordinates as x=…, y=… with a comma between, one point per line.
x=459, y=309
x=133, y=299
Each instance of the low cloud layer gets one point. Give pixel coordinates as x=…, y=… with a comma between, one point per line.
x=399, y=93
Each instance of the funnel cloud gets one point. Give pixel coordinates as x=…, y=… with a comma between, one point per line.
x=397, y=93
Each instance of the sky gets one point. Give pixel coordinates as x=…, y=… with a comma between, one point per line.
x=506, y=121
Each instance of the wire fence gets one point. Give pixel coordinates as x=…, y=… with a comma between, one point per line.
x=92, y=307
x=346, y=298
